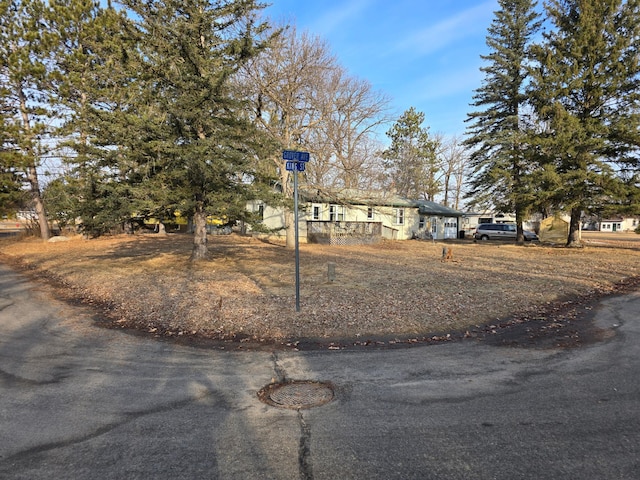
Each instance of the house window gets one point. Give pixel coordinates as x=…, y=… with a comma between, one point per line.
x=422, y=223
x=336, y=213
x=316, y=212
x=399, y=216
x=261, y=212
x=369, y=213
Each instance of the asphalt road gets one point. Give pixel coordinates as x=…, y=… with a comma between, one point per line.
x=81, y=402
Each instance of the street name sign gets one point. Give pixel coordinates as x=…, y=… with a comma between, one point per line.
x=292, y=166
x=294, y=162
x=295, y=156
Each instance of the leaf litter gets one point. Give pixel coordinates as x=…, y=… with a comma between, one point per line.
x=386, y=294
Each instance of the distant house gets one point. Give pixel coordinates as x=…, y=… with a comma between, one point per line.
x=26, y=215
x=347, y=216
x=619, y=224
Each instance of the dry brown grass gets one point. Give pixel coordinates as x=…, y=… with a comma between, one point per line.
x=247, y=287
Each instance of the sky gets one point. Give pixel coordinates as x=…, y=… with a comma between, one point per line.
x=420, y=53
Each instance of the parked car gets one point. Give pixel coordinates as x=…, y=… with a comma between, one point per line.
x=501, y=231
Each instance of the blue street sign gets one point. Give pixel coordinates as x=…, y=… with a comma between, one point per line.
x=295, y=156
x=295, y=162
x=293, y=166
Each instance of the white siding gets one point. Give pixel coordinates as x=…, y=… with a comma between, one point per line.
x=273, y=218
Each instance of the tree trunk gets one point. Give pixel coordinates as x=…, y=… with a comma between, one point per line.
x=289, y=222
x=199, y=251
x=447, y=179
x=519, y=229
x=574, y=239
x=32, y=173
x=38, y=204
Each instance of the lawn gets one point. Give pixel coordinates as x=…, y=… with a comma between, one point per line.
x=246, y=289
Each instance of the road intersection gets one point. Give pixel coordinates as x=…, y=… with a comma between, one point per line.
x=78, y=401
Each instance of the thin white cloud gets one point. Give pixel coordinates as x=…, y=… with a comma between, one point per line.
x=337, y=17
x=436, y=37
x=447, y=84
x=443, y=97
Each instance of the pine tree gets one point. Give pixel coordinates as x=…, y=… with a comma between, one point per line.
x=12, y=195
x=497, y=134
x=91, y=87
x=411, y=157
x=586, y=92
x=189, y=142
x=24, y=56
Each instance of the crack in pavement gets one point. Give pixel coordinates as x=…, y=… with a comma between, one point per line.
x=280, y=372
x=304, y=449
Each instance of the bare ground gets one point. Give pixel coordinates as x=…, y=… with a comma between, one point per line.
x=394, y=293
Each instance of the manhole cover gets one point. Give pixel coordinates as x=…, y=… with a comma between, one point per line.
x=296, y=394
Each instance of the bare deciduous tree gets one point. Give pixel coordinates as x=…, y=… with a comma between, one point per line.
x=305, y=100
x=354, y=111
x=454, y=162
x=283, y=87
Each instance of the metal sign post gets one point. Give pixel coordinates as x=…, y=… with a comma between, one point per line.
x=295, y=162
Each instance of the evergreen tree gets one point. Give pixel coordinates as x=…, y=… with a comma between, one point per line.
x=411, y=157
x=500, y=156
x=12, y=195
x=186, y=142
x=92, y=87
x=586, y=92
x=24, y=58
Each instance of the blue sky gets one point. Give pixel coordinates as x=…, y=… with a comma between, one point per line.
x=421, y=53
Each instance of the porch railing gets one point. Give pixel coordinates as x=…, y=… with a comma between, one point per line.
x=344, y=233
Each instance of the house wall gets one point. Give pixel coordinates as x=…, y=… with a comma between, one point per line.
x=626, y=224
x=388, y=216
x=273, y=218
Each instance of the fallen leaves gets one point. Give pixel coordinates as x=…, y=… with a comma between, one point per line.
x=400, y=290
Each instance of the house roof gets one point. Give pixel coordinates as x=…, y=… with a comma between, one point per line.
x=426, y=207
x=374, y=198
x=353, y=197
